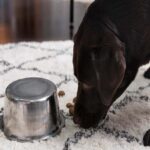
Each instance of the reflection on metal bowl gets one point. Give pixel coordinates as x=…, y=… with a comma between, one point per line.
x=31, y=110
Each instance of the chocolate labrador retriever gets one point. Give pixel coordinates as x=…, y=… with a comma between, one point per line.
x=112, y=42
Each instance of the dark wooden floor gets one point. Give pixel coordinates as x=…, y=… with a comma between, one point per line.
x=37, y=20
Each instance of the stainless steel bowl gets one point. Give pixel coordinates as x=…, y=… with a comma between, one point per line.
x=31, y=110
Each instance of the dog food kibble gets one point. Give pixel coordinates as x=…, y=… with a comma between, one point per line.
x=69, y=105
x=71, y=111
x=71, y=108
x=61, y=93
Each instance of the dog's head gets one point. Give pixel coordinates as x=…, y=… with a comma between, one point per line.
x=99, y=66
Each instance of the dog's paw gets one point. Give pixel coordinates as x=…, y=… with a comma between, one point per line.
x=146, y=139
x=147, y=74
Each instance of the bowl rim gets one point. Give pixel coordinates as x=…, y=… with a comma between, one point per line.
x=17, y=99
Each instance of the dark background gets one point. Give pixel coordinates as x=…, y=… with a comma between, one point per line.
x=38, y=20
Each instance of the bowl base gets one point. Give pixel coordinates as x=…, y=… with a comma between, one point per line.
x=31, y=139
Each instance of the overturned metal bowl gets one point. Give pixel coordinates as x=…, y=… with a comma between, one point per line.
x=31, y=110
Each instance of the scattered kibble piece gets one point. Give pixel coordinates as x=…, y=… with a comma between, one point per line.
x=61, y=93
x=71, y=108
x=68, y=105
x=71, y=111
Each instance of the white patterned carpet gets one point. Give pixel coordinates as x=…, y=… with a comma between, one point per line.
x=127, y=120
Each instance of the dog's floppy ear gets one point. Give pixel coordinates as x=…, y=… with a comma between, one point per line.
x=109, y=65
